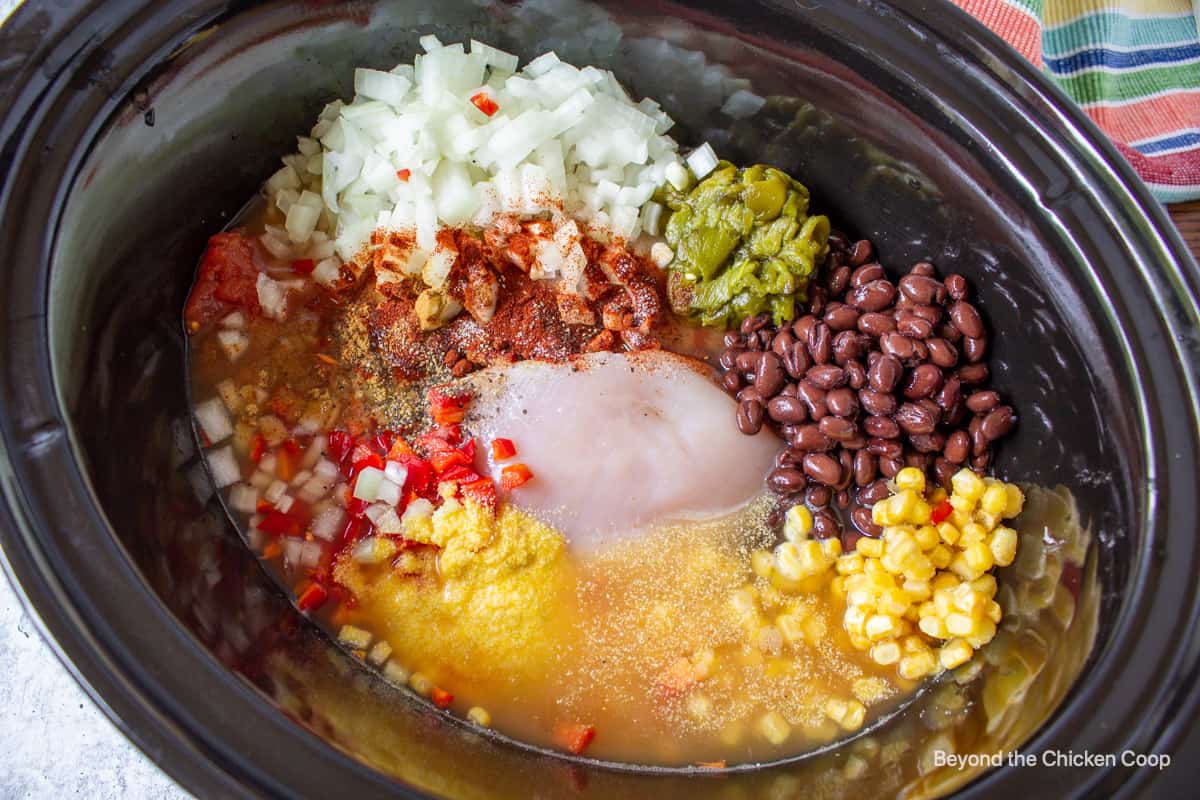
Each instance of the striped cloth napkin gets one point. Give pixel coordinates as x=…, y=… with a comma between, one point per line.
x=1132, y=65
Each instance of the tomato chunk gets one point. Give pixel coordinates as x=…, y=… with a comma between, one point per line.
x=441, y=698
x=226, y=281
x=573, y=737
x=312, y=598
x=484, y=103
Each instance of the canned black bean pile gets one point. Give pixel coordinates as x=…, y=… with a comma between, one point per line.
x=874, y=377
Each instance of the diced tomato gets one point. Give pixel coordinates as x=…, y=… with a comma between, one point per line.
x=303, y=266
x=941, y=512
x=312, y=598
x=482, y=491
x=404, y=174
x=448, y=433
x=272, y=550
x=225, y=281
x=292, y=523
x=441, y=698
x=573, y=736
x=419, y=480
x=340, y=445
x=484, y=103
x=515, y=475
x=258, y=448
x=503, y=449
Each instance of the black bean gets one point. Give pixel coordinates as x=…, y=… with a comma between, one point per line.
x=732, y=382
x=943, y=470
x=981, y=461
x=885, y=448
x=839, y=280
x=872, y=494
x=877, y=403
x=973, y=373
x=873, y=296
x=818, y=496
x=787, y=480
x=924, y=268
x=837, y=428
x=768, y=376
x=913, y=326
x=750, y=416
x=865, y=274
x=826, y=376
x=802, y=326
x=733, y=339
x=820, y=343
x=881, y=427
x=754, y=324
x=817, y=295
x=949, y=395
x=841, y=500
x=840, y=317
x=913, y=418
x=956, y=286
x=958, y=445
x=747, y=361
x=822, y=468
x=842, y=402
x=728, y=359
x=797, y=361
x=890, y=466
x=861, y=252
x=928, y=442
x=849, y=345
x=922, y=289
x=825, y=525
x=949, y=333
x=750, y=393
x=856, y=374
x=787, y=410
x=942, y=353
x=998, y=423
x=974, y=349
x=810, y=439
x=861, y=517
x=782, y=343
x=931, y=314
x=923, y=381
x=898, y=345
x=983, y=401
x=886, y=373
x=875, y=324
x=966, y=319
x=846, y=460
x=865, y=467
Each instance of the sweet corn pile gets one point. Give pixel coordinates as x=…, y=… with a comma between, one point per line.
x=921, y=595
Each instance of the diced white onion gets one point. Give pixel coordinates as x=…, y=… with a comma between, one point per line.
x=395, y=472
x=325, y=469
x=702, y=161
x=284, y=503
x=233, y=343
x=243, y=498
x=224, y=467
x=235, y=320
x=389, y=493
x=328, y=523
x=376, y=510
x=312, y=456
x=743, y=104
x=386, y=86
x=275, y=491
x=214, y=420
x=301, y=477
x=366, y=486
x=389, y=523
x=271, y=296
x=260, y=480
x=230, y=395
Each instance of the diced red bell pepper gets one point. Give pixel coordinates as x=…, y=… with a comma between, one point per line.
x=442, y=454
x=258, y=448
x=277, y=523
x=312, y=598
x=303, y=266
x=941, y=512
x=573, y=736
x=371, y=459
x=383, y=441
x=340, y=445
x=357, y=528
x=419, y=480
x=459, y=473
x=447, y=408
x=356, y=508
x=404, y=174
x=441, y=698
x=451, y=434
x=515, y=475
x=399, y=448
x=484, y=103
x=503, y=449
x=482, y=491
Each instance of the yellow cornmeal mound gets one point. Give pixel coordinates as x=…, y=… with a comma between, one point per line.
x=491, y=607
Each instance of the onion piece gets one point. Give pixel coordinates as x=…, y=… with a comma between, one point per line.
x=389, y=492
x=395, y=472
x=702, y=161
x=276, y=490
x=243, y=498
x=285, y=503
x=214, y=421
x=328, y=524
x=224, y=467
x=366, y=486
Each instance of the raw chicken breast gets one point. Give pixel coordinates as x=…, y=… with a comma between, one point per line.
x=618, y=443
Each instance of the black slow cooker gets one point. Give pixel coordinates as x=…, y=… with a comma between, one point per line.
x=132, y=131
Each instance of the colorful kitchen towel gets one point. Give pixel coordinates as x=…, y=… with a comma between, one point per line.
x=1132, y=65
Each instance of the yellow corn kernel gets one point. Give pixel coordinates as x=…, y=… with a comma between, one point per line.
x=985, y=585
x=885, y=653
x=396, y=673
x=927, y=609
x=960, y=567
x=903, y=503
x=859, y=641
x=968, y=601
x=763, y=564
x=1015, y=501
x=899, y=553
x=959, y=518
x=831, y=548
x=881, y=626
x=869, y=690
x=850, y=563
x=968, y=484
x=353, y=637
x=774, y=728
x=988, y=521
x=868, y=547
x=945, y=580
x=837, y=587
x=994, y=499
x=813, y=558
x=979, y=557
x=917, y=666
x=933, y=627
x=703, y=662
x=797, y=523
x=911, y=478
x=892, y=601
x=955, y=653
x=962, y=505
x=420, y=683
x=948, y=532
x=912, y=615
x=814, y=629
x=699, y=705
x=855, y=619
x=856, y=713
x=913, y=644
x=927, y=537
x=380, y=653
x=1003, y=544
x=920, y=568
x=972, y=533
x=787, y=561
x=959, y=624
x=873, y=569
x=983, y=631
x=941, y=556
x=921, y=513
x=480, y=716
x=855, y=767
x=993, y=612
x=917, y=590
x=937, y=496
x=744, y=601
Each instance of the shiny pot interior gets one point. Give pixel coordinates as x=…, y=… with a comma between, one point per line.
x=127, y=147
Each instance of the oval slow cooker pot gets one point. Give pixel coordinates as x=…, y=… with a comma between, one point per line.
x=132, y=131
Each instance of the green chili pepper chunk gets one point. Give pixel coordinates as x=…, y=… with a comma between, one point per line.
x=744, y=244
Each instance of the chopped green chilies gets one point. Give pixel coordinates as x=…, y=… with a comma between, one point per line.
x=744, y=244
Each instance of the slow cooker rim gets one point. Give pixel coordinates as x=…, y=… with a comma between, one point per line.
x=1162, y=234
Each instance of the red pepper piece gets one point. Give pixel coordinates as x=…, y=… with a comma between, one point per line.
x=404, y=174
x=383, y=441
x=573, y=736
x=484, y=103
x=258, y=448
x=419, y=480
x=312, y=598
x=357, y=528
x=482, y=491
x=941, y=512
x=340, y=445
x=447, y=408
x=515, y=475
x=459, y=473
x=278, y=523
x=303, y=266
x=441, y=698
x=356, y=508
x=503, y=449
x=371, y=459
